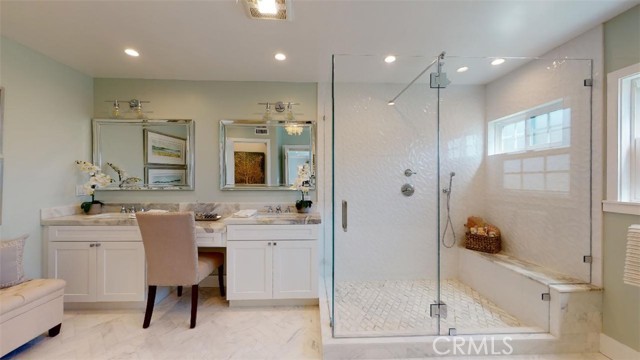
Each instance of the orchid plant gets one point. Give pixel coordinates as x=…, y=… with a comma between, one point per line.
x=303, y=184
x=123, y=177
x=96, y=180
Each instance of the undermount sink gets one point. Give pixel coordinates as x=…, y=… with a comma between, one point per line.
x=121, y=216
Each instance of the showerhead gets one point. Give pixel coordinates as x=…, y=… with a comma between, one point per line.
x=452, y=174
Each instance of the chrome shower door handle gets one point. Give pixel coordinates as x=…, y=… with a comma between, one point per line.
x=344, y=215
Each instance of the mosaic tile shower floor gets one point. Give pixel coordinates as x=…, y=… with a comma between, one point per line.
x=401, y=307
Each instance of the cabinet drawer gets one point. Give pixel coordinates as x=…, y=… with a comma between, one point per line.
x=272, y=232
x=94, y=233
x=211, y=239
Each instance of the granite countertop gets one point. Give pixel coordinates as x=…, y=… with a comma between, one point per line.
x=122, y=220
x=275, y=219
x=117, y=219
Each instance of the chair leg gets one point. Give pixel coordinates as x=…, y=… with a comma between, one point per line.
x=179, y=290
x=55, y=330
x=194, y=305
x=151, y=299
x=221, y=279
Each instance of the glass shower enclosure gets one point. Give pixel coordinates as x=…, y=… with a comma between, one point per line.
x=420, y=145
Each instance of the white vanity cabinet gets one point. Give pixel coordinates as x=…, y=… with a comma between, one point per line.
x=99, y=263
x=272, y=262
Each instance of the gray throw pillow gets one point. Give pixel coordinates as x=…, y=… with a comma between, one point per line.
x=11, y=268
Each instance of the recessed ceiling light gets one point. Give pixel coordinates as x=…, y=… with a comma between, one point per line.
x=131, y=52
x=280, y=56
x=463, y=69
x=389, y=59
x=267, y=7
x=497, y=61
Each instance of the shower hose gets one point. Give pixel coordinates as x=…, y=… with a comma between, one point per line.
x=449, y=223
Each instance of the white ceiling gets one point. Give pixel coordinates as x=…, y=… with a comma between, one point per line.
x=216, y=40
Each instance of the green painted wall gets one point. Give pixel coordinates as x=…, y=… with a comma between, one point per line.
x=622, y=40
x=621, y=303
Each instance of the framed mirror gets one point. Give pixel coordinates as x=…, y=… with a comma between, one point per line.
x=145, y=154
x=259, y=155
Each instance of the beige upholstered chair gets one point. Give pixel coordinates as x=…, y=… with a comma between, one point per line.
x=172, y=257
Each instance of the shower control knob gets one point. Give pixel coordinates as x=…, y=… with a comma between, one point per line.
x=409, y=172
x=407, y=189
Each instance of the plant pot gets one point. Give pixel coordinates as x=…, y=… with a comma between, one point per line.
x=95, y=209
x=304, y=210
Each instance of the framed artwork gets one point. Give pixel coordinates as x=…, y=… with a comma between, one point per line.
x=165, y=176
x=249, y=167
x=163, y=149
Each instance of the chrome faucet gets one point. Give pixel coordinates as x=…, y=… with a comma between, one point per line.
x=278, y=209
x=123, y=210
x=132, y=209
x=269, y=209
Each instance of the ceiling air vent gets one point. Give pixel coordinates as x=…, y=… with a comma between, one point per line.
x=282, y=10
x=262, y=130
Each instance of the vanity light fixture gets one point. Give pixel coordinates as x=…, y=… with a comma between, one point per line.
x=280, y=57
x=267, y=113
x=291, y=127
x=462, y=69
x=497, y=61
x=131, y=52
x=389, y=59
x=135, y=106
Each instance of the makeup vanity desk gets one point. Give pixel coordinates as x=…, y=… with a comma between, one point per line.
x=101, y=257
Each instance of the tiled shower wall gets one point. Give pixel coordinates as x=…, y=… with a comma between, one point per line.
x=547, y=219
x=391, y=236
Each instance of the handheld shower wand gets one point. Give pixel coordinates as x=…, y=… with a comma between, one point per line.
x=449, y=222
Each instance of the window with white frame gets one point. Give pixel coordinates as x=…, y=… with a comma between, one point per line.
x=623, y=142
x=546, y=126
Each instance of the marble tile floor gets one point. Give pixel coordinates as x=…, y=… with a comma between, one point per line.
x=402, y=307
x=291, y=332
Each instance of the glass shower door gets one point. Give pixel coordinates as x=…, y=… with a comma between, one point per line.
x=385, y=240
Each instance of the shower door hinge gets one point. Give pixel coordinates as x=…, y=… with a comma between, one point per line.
x=587, y=259
x=546, y=297
x=438, y=310
x=439, y=80
x=588, y=82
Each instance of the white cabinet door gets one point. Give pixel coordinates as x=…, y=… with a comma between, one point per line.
x=294, y=275
x=74, y=262
x=120, y=271
x=249, y=265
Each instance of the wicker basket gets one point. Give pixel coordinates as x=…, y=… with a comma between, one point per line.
x=484, y=243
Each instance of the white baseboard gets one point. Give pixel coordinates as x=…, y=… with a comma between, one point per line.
x=615, y=350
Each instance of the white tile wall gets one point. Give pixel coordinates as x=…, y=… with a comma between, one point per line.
x=545, y=217
x=391, y=236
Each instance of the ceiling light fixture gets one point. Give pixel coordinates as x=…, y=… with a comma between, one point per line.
x=391, y=103
x=280, y=57
x=462, y=69
x=497, y=61
x=268, y=7
x=131, y=52
x=389, y=59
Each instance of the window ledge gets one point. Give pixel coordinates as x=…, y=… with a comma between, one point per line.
x=621, y=207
